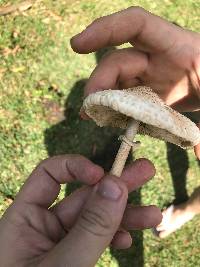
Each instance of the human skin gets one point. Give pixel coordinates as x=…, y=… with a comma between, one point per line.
x=165, y=57
x=75, y=231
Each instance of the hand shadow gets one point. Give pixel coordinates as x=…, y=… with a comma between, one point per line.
x=179, y=165
x=134, y=256
x=75, y=136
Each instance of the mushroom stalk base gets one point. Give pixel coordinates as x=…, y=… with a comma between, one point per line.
x=124, y=149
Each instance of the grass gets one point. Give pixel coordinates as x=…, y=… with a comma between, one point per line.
x=41, y=85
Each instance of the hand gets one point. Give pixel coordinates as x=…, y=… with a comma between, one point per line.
x=75, y=231
x=165, y=57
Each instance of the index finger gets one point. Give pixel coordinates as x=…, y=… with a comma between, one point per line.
x=134, y=176
x=130, y=25
x=43, y=185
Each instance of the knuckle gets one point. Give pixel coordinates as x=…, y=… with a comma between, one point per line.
x=43, y=166
x=72, y=157
x=98, y=222
x=43, y=163
x=46, y=162
x=96, y=21
x=137, y=9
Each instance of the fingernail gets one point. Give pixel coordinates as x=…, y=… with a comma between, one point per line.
x=109, y=189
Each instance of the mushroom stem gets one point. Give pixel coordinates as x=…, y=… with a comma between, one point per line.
x=125, y=148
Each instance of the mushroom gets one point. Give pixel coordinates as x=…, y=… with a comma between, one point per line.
x=139, y=110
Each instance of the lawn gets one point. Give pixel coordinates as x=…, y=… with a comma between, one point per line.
x=41, y=88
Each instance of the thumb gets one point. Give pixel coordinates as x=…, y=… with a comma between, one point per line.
x=95, y=227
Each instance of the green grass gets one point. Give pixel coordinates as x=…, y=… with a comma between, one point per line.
x=41, y=89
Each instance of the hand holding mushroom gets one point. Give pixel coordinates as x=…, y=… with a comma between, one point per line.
x=167, y=59
x=139, y=110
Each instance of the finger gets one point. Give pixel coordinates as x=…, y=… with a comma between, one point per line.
x=137, y=173
x=189, y=103
x=134, y=176
x=69, y=208
x=122, y=240
x=131, y=25
x=119, y=69
x=95, y=228
x=43, y=185
x=139, y=218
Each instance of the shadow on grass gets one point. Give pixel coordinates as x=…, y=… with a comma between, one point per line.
x=179, y=165
x=73, y=135
x=133, y=256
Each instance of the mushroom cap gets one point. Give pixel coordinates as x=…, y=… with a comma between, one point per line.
x=117, y=107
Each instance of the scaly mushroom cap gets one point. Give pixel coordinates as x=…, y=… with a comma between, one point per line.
x=116, y=107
